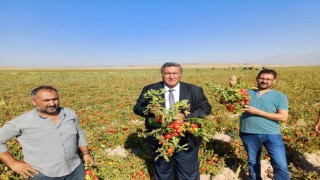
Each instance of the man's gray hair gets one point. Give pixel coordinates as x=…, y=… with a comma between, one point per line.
x=170, y=64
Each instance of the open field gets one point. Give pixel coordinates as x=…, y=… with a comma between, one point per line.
x=104, y=97
x=189, y=65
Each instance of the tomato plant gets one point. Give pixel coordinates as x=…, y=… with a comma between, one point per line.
x=90, y=173
x=170, y=127
x=234, y=98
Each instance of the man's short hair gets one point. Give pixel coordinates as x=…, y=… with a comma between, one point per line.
x=268, y=71
x=36, y=90
x=170, y=64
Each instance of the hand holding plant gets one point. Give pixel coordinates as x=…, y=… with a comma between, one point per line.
x=235, y=98
x=171, y=124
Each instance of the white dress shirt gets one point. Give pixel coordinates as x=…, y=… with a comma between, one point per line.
x=176, y=94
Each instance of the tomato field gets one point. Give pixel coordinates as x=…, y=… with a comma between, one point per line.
x=104, y=98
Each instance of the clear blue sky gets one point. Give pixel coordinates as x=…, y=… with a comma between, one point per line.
x=62, y=33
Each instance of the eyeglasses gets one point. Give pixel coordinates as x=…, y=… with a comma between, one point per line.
x=265, y=79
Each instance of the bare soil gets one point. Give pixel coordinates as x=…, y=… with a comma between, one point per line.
x=312, y=163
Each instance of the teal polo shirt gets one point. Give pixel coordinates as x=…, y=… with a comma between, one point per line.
x=269, y=102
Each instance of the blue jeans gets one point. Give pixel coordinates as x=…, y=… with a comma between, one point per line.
x=276, y=150
x=77, y=174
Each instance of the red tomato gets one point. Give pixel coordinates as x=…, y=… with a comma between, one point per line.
x=134, y=175
x=231, y=108
x=112, y=131
x=178, y=121
x=193, y=126
x=159, y=120
x=203, y=169
x=88, y=172
x=171, y=125
x=245, y=93
x=179, y=130
x=163, y=143
x=241, y=90
x=167, y=136
x=169, y=151
x=210, y=162
x=176, y=126
x=176, y=134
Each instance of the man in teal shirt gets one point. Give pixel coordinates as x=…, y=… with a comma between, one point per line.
x=260, y=126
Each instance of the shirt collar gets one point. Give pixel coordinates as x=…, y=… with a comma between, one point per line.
x=62, y=112
x=176, y=88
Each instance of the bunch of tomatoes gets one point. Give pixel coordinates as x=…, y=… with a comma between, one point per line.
x=170, y=126
x=90, y=173
x=235, y=98
x=169, y=134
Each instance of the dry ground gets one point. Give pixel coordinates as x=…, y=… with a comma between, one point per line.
x=313, y=160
